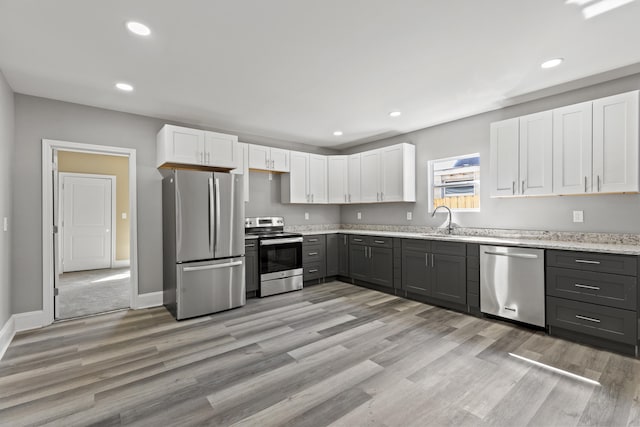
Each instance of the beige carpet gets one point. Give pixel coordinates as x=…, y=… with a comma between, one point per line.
x=82, y=293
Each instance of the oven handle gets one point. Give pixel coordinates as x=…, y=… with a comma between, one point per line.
x=271, y=242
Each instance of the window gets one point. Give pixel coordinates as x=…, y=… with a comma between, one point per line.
x=455, y=182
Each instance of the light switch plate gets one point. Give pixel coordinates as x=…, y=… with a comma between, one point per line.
x=409, y=216
x=306, y=215
x=578, y=216
x=359, y=215
x=124, y=215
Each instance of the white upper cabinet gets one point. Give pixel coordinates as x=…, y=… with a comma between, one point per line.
x=398, y=173
x=572, y=154
x=268, y=158
x=615, y=144
x=536, y=154
x=177, y=145
x=591, y=147
x=338, y=179
x=370, y=176
x=354, y=182
x=504, y=157
x=306, y=181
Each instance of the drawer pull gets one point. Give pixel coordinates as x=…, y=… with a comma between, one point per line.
x=586, y=261
x=312, y=240
x=250, y=246
x=595, y=288
x=314, y=270
x=590, y=319
x=357, y=240
x=312, y=253
x=379, y=241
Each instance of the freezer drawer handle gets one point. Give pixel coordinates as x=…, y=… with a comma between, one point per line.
x=595, y=288
x=510, y=309
x=214, y=266
x=586, y=261
x=590, y=319
x=271, y=242
x=527, y=256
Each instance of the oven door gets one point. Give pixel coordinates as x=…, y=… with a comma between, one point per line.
x=280, y=254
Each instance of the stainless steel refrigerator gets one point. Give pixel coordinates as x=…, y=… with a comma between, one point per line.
x=203, y=237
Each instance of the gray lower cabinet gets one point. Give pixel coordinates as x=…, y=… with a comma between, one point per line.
x=343, y=255
x=371, y=260
x=332, y=255
x=436, y=269
x=252, y=279
x=314, y=260
x=593, y=298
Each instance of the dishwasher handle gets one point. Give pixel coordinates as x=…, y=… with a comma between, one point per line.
x=514, y=255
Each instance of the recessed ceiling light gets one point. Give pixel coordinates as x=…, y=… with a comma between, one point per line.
x=337, y=133
x=395, y=114
x=126, y=87
x=138, y=28
x=552, y=63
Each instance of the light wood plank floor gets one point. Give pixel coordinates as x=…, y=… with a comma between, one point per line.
x=333, y=354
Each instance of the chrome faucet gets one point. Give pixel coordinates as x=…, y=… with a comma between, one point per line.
x=449, y=228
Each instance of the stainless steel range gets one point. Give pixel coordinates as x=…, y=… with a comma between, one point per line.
x=279, y=254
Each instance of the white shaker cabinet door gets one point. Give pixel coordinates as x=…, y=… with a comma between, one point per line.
x=370, y=176
x=337, y=179
x=181, y=145
x=318, y=178
x=504, y=157
x=391, y=168
x=572, y=149
x=259, y=157
x=298, y=179
x=615, y=143
x=279, y=160
x=354, y=194
x=536, y=154
x=220, y=150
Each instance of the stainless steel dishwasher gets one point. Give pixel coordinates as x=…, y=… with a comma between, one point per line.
x=512, y=283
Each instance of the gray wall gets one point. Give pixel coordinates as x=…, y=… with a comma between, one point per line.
x=6, y=179
x=602, y=213
x=40, y=118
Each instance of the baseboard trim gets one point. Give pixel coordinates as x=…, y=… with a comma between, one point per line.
x=6, y=335
x=148, y=300
x=17, y=323
x=120, y=263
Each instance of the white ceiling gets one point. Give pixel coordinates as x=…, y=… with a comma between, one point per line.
x=297, y=70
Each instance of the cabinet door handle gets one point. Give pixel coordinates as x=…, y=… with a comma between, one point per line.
x=208, y=157
x=586, y=261
x=345, y=198
x=578, y=285
x=201, y=157
x=370, y=254
x=312, y=198
x=349, y=198
x=522, y=187
x=344, y=238
x=426, y=260
x=266, y=163
x=585, y=184
x=590, y=319
x=598, y=183
x=433, y=260
x=381, y=196
x=377, y=197
x=513, y=187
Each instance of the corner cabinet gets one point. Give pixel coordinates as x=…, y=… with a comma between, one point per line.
x=306, y=181
x=586, y=148
x=180, y=146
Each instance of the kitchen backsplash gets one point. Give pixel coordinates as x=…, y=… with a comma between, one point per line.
x=608, y=238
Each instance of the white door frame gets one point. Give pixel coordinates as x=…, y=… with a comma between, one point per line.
x=61, y=176
x=48, y=147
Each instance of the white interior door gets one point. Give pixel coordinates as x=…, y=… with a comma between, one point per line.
x=87, y=221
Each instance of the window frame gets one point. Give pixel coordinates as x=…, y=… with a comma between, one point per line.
x=431, y=181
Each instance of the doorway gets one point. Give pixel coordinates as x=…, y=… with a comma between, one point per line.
x=89, y=239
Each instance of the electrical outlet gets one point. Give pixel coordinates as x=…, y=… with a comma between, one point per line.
x=578, y=216
x=5, y=223
x=359, y=215
x=409, y=216
x=124, y=215
x=306, y=215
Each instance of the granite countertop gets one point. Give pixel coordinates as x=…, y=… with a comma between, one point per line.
x=615, y=248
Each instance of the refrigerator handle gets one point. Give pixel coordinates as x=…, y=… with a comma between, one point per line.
x=217, y=211
x=211, y=210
